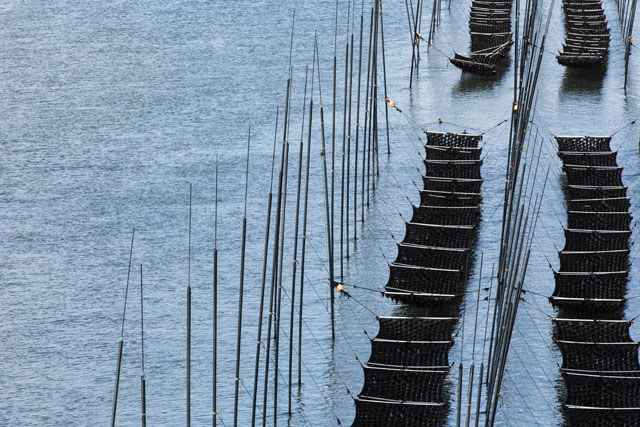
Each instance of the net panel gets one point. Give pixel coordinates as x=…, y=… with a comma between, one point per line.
x=371, y=413
x=421, y=280
x=409, y=354
x=589, y=285
x=589, y=159
x=599, y=220
x=403, y=384
x=594, y=240
x=416, y=328
x=591, y=192
x=430, y=198
x=443, y=139
x=594, y=261
x=583, y=143
x=583, y=417
x=438, y=235
x=619, y=204
x=469, y=169
x=431, y=257
x=603, y=391
x=593, y=176
x=442, y=215
x=435, y=152
x=592, y=331
x=452, y=185
x=599, y=357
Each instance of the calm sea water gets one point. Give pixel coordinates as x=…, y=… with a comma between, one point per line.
x=109, y=110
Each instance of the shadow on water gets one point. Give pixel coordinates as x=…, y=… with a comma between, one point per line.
x=583, y=80
x=469, y=83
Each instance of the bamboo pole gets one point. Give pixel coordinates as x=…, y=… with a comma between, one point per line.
x=241, y=290
x=121, y=340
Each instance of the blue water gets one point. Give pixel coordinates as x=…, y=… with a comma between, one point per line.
x=109, y=110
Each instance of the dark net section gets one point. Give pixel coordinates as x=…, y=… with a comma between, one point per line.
x=445, y=215
x=370, y=413
x=443, y=139
x=442, y=198
x=583, y=143
x=589, y=159
x=592, y=331
x=452, y=153
x=619, y=204
x=590, y=285
x=412, y=279
x=452, y=184
x=431, y=257
x=439, y=235
x=481, y=41
x=403, y=384
x=599, y=357
x=469, y=169
x=409, y=354
x=594, y=261
x=599, y=220
x=588, y=417
x=596, y=176
x=416, y=328
x=606, y=391
x=595, y=192
x=594, y=240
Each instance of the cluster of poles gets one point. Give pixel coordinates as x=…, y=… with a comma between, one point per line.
x=348, y=181
x=522, y=201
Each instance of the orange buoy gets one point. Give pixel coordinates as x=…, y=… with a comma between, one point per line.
x=340, y=288
x=392, y=104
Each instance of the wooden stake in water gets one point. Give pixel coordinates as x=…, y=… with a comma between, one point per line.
x=189, y=318
x=121, y=340
x=143, y=379
x=241, y=291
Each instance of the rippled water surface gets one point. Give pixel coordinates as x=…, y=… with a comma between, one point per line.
x=108, y=110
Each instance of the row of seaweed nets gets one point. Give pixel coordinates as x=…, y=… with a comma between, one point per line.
x=587, y=40
x=491, y=37
x=405, y=374
x=600, y=367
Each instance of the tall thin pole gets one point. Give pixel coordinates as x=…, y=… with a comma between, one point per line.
x=143, y=378
x=328, y=217
x=215, y=303
x=473, y=349
x=333, y=136
x=241, y=292
x=295, y=243
x=274, y=267
x=304, y=237
x=264, y=279
x=355, y=172
x=349, y=141
x=344, y=148
x=366, y=115
x=189, y=318
x=384, y=74
x=279, y=293
x=121, y=340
